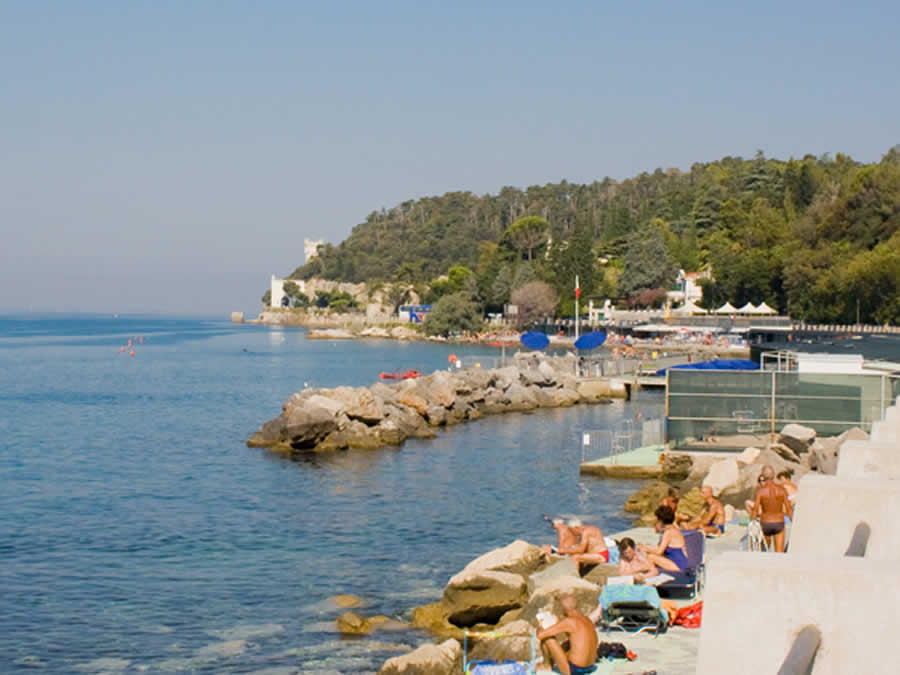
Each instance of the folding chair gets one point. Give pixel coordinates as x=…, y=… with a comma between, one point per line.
x=690, y=579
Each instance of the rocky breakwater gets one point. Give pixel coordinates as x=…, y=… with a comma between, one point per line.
x=796, y=449
x=505, y=588
x=388, y=414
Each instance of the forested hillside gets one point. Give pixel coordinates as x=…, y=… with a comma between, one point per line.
x=818, y=237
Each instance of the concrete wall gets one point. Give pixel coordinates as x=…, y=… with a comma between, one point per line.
x=831, y=511
x=859, y=459
x=756, y=603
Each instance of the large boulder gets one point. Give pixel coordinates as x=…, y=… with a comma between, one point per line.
x=535, y=377
x=562, y=567
x=476, y=378
x=329, y=403
x=520, y=398
x=519, y=557
x=408, y=420
x=515, y=645
x=600, y=573
x=436, y=415
x=359, y=404
x=353, y=435
x=428, y=659
x=412, y=400
x=438, y=389
x=722, y=475
x=676, y=467
x=306, y=426
x=548, y=595
x=748, y=456
x=503, y=377
x=797, y=437
x=564, y=397
x=785, y=452
x=482, y=596
x=647, y=498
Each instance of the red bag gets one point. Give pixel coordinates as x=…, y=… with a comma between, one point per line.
x=690, y=616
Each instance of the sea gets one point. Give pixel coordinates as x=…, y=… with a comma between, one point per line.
x=139, y=533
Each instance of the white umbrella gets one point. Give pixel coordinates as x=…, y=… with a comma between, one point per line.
x=689, y=308
x=747, y=309
x=727, y=308
x=765, y=309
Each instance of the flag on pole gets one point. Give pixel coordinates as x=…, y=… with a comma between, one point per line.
x=577, y=288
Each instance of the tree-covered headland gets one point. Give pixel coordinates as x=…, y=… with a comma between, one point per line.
x=817, y=237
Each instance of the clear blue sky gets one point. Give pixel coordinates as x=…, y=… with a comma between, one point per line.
x=170, y=156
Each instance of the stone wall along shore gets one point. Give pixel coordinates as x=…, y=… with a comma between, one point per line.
x=387, y=414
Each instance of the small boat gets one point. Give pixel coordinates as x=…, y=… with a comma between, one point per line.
x=408, y=375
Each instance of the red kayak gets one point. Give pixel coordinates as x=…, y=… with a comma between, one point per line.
x=408, y=375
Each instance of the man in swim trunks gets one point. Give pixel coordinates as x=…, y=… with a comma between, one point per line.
x=590, y=548
x=771, y=506
x=712, y=518
x=566, y=538
x=582, y=652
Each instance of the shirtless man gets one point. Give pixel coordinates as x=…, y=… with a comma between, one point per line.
x=566, y=538
x=771, y=506
x=590, y=547
x=712, y=518
x=582, y=652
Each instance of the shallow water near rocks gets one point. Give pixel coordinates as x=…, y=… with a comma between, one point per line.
x=138, y=533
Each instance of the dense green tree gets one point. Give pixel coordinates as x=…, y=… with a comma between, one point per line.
x=528, y=233
x=267, y=298
x=647, y=264
x=454, y=313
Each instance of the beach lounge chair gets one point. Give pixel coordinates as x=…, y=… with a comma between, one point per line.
x=632, y=609
x=689, y=580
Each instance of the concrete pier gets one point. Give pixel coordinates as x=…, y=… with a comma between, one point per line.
x=829, y=605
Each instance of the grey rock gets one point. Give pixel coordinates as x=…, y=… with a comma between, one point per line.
x=797, y=437
x=428, y=659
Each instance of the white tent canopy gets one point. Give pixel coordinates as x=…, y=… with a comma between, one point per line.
x=689, y=308
x=765, y=309
x=749, y=308
x=727, y=308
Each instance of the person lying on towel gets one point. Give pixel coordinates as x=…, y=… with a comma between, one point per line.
x=590, y=549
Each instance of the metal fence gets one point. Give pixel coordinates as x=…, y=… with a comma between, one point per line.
x=622, y=437
x=712, y=406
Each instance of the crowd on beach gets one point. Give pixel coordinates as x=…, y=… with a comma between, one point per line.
x=585, y=544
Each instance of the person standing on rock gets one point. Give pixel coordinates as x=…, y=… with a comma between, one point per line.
x=590, y=549
x=771, y=506
x=582, y=653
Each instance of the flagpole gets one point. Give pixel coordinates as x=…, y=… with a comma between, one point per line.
x=577, y=294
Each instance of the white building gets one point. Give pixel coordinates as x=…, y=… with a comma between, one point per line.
x=311, y=248
x=277, y=290
x=687, y=287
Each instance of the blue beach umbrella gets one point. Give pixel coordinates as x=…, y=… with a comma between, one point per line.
x=534, y=340
x=590, y=340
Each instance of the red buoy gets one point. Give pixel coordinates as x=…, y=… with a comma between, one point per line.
x=131, y=353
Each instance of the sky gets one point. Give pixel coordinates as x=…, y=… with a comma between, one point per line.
x=169, y=157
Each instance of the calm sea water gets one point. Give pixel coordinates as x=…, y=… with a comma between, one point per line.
x=138, y=533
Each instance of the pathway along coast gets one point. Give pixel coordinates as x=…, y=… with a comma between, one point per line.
x=387, y=414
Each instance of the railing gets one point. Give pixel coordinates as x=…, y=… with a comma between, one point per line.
x=707, y=405
x=624, y=436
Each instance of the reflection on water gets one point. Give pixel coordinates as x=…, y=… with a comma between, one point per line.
x=139, y=533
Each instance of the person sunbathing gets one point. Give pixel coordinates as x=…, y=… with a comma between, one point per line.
x=566, y=538
x=712, y=518
x=582, y=653
x=771, y=506
x=669, y=555
x=590, y=548
x=634, y=563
